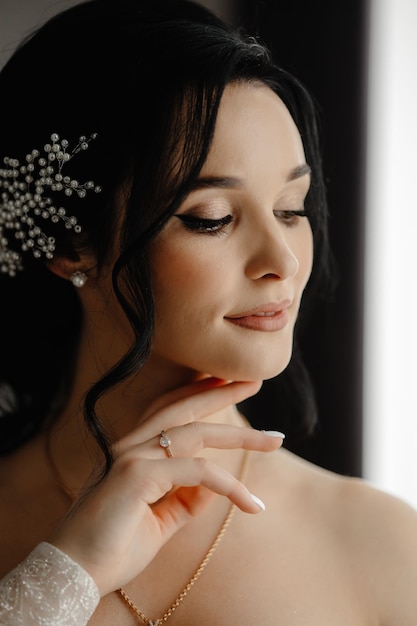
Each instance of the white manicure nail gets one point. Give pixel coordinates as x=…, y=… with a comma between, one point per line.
x=273, y=433
x=258, y=501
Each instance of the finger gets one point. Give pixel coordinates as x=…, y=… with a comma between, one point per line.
x=182, y=392
x=197, y=406
x=194, y=472
x=189, y=439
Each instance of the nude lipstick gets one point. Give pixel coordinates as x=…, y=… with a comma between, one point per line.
x=267, y=317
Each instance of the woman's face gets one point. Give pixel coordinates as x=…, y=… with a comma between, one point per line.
x=229, y=268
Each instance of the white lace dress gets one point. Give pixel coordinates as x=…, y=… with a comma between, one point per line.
x=47, y=589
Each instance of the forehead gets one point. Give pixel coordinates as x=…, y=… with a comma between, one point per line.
x=254, y=124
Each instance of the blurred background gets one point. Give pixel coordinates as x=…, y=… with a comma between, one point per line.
x=358, y=59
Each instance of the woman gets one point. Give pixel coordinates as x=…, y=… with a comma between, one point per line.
x=159, y=240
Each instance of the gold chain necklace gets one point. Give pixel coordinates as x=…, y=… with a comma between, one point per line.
x=68, y=493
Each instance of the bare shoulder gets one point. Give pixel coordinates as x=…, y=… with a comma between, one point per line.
x=382, y=530
x=352, y=502
x=375, y=531
x=388, y=516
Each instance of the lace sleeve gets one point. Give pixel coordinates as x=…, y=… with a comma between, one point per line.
x=47, y=589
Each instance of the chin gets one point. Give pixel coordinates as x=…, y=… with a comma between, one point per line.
x=257, y=369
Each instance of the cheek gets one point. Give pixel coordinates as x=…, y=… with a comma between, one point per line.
x=182, y=277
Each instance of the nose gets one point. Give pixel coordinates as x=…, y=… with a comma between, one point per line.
x=270, y=253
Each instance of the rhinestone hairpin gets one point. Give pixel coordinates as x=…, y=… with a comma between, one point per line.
x=23, y=202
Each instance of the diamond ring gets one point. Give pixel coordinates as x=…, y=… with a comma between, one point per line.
x=165, y=442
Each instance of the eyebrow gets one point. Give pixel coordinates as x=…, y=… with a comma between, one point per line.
x=230, y=182
x=299, y=171
x=220, y=182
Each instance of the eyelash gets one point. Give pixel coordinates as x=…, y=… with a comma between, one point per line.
x=215, y=227
x=204, y=225
x=290, y=218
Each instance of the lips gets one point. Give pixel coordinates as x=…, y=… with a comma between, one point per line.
x=266, y=317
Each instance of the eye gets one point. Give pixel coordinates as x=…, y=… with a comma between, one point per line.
x=205, y=225
x=290, y=218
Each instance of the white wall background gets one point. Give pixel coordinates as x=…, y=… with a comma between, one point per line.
x=390, y=385
x=390, y=378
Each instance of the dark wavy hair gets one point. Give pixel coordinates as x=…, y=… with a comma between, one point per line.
x=147, y=76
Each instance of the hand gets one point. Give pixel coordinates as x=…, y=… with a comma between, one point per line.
x=116, y=528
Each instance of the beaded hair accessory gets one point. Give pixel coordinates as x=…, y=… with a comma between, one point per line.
x=24, y=203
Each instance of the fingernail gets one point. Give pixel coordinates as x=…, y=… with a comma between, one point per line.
x=258, y=501
x=273, y=433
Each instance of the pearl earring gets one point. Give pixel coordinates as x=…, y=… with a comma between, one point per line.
x=78, y=279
